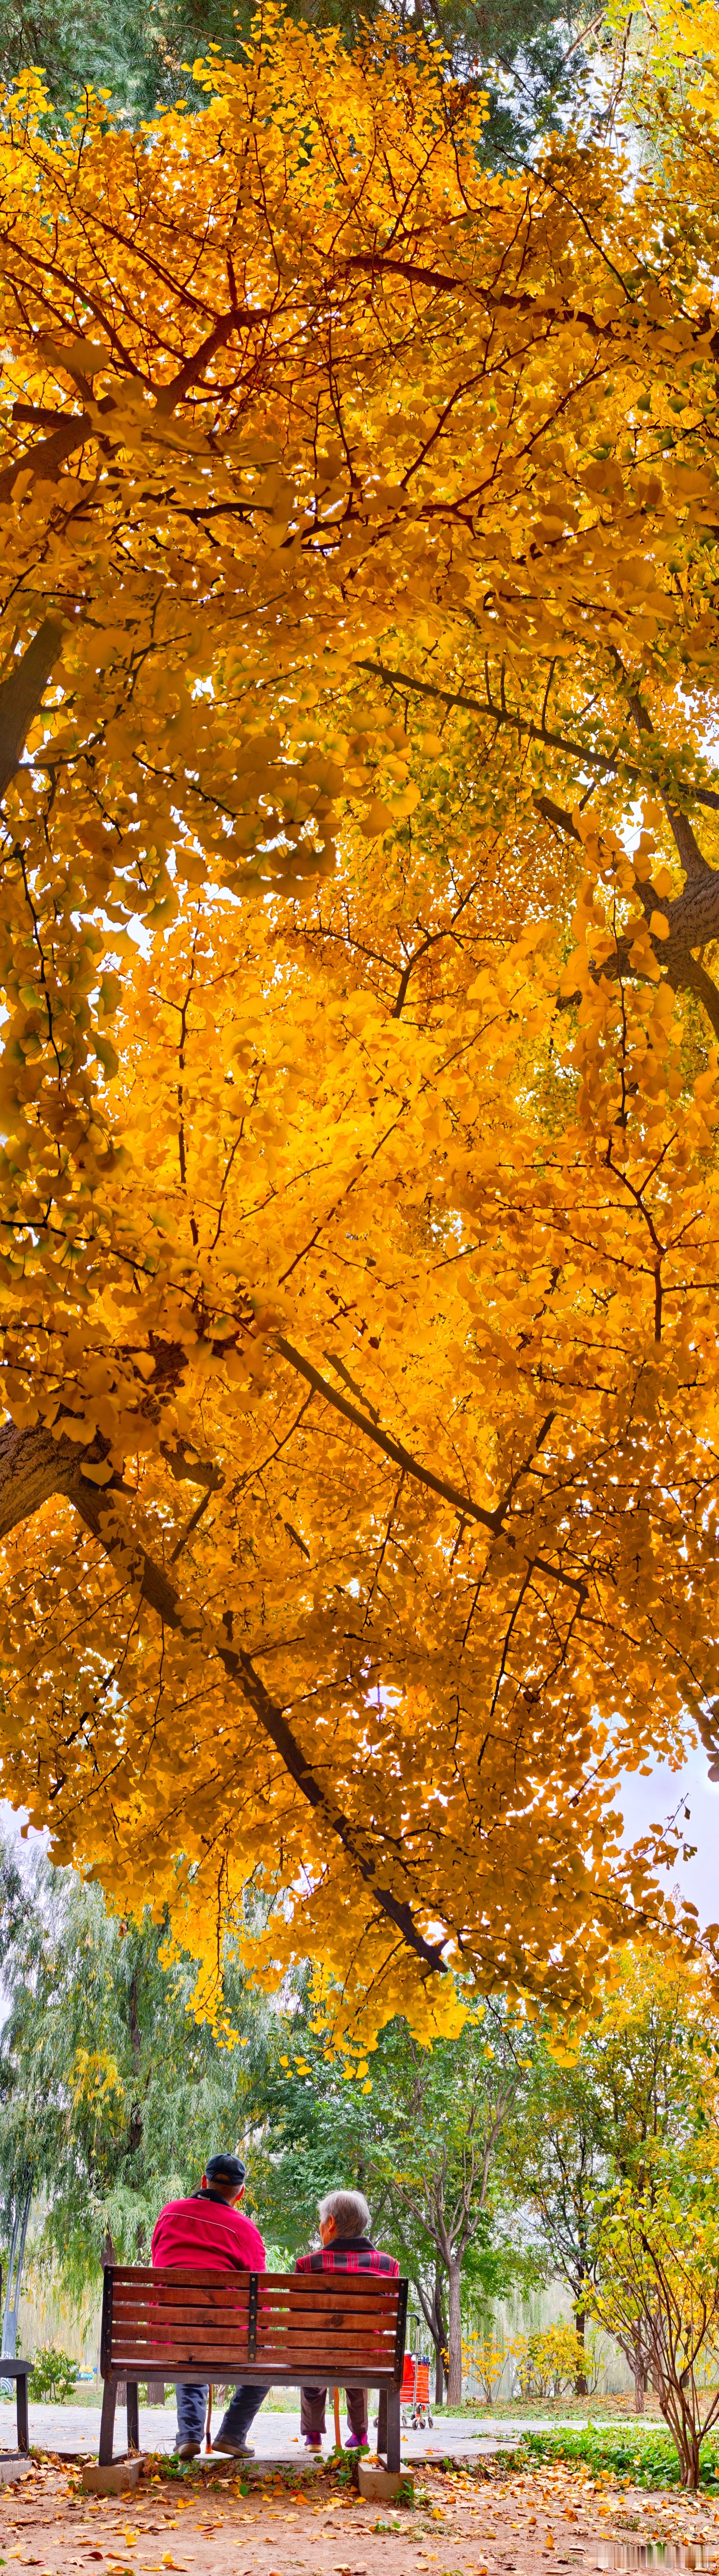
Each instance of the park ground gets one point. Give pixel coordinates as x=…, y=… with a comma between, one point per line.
x=309, y=2522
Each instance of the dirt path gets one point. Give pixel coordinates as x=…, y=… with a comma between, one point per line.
x=462, y=2524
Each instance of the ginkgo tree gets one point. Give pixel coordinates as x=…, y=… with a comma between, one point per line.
x=359, y=1194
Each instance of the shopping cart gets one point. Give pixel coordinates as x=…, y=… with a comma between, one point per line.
x=421, y=2411
x=406, y=2394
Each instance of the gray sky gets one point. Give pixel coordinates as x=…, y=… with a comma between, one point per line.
x=649, y=1802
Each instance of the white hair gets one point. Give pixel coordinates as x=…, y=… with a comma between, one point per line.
x=349, y=2211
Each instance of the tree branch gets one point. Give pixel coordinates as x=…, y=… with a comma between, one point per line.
x=401, y=1457
x=238, y=319
x=499, y=715
x=33, y=1469
x=43, y=461
x=21, y=695
x=393, y=1449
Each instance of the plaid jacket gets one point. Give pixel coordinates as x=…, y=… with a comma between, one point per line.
x=347, y=2254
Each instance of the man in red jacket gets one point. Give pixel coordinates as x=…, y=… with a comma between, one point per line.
x=210, y=2232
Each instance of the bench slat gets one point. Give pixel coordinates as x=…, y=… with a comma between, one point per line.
x=287, y=2318
x=283, y=2312
x=181, y=2311
x=254, y=2375
x=367, y=2348
x=143, y=2282
x=267, y=2343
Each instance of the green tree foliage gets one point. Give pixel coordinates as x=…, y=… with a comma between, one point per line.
x=110, y=2091
x=417, y=2130
x=524, y=52
x=659, y=2287
x=53, y=2374
x=599, y=2113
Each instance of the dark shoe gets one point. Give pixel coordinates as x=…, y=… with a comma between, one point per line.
x=233, y=2450
x=187, y=2450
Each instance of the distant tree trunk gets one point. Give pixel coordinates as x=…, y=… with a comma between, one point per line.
x=135, y=2128
x=454, y=2378
x=634, y=2355
x=440, y=2338
x=581, y=2387
x=21, y=2213
x=638, y=2367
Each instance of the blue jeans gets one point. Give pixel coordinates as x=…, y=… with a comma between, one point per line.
x=192, y=2410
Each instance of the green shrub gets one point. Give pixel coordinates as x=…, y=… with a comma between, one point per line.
x=648, y=2456
x=53, y=2374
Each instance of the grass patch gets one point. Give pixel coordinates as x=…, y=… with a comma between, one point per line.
x=648, y=2456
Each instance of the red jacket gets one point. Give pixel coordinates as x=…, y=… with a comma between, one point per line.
x=205, y=2232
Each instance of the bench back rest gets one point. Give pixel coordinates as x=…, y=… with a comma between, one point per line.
x=277, y=2326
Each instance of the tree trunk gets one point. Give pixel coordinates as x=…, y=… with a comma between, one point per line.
x=440, y=2338
x=640, y=2383
x=687, y=2442
x=581, y=2386
x=454, y=2379
x=14, y=2270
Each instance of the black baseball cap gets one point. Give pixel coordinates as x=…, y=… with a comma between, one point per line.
x=227, y=2169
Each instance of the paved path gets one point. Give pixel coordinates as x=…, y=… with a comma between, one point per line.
x=276, y=2433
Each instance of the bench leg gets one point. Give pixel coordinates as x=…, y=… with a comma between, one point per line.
x=382, y=2423
x=23, y=2441
x=107, y=2424
x=133, y=2417
x=391, y=2396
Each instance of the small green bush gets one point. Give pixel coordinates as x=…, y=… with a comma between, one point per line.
x=648, y=2457
x=53, y=2374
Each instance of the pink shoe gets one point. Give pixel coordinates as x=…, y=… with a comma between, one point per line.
x=354, y=2443
x=313, y=2441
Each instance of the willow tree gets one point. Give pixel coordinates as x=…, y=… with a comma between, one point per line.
x=359, y=1192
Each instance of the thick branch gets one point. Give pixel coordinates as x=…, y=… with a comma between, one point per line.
x=537, y=309
x=692, y=858
x=44, y=460
x=692, y=919
x=503, y=715
x=393, y=1449
x=238, y=319
x=33, y=1469
x=21, y=695
x=401, y=1457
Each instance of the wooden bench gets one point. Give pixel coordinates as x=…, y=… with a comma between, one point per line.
x=281, y=2329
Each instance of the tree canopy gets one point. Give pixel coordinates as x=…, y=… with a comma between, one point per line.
x=359, y=1184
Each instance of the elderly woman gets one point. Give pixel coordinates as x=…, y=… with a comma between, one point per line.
x=344, y=2247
